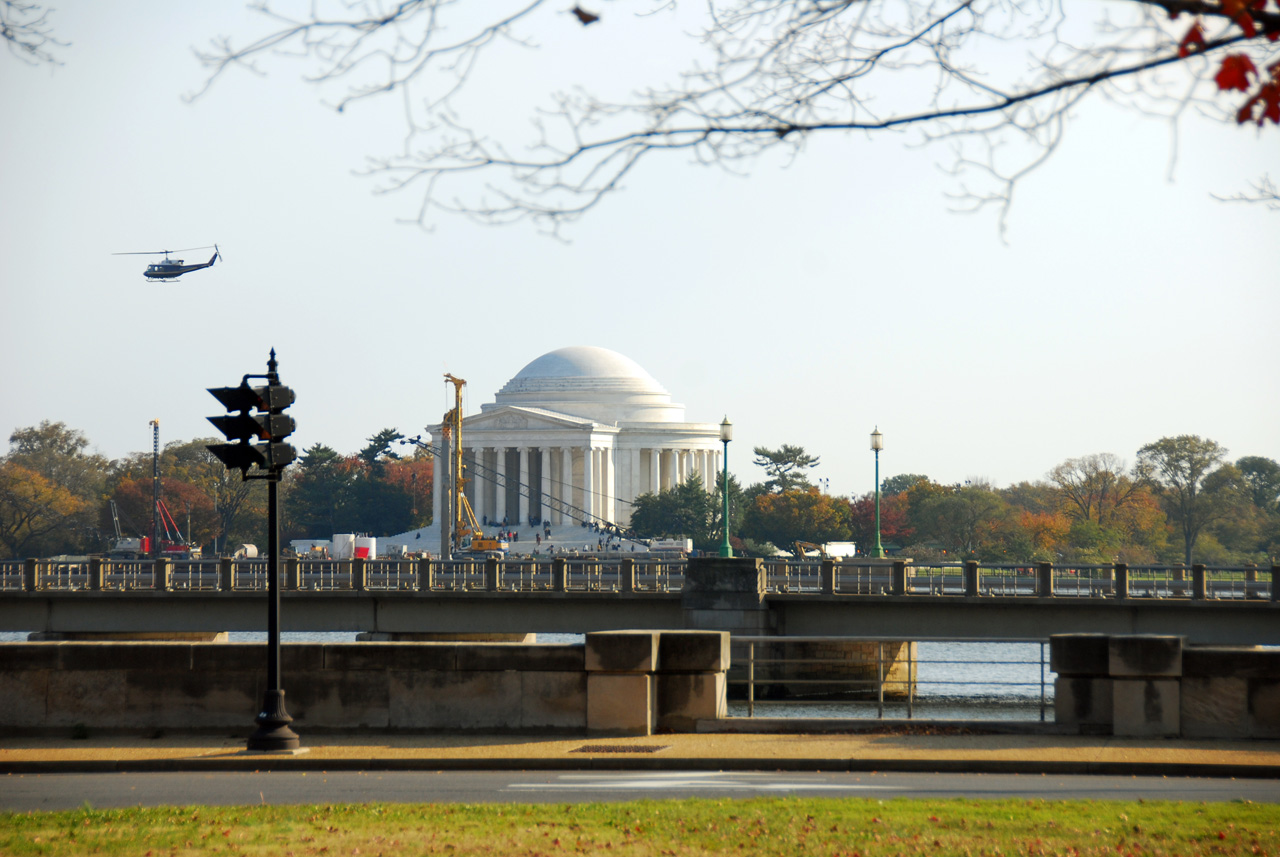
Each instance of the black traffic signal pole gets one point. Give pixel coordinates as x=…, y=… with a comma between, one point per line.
x=273, y=732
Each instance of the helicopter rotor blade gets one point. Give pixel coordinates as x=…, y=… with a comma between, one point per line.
x=166, y=252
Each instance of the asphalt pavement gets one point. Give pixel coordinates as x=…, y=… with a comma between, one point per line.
x=900, y=747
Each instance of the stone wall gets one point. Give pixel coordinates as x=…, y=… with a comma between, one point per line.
x=1148, y=685
x=618, y=682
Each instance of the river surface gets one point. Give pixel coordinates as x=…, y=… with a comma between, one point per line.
x=955, y=681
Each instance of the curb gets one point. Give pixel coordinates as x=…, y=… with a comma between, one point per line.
x=599, y=763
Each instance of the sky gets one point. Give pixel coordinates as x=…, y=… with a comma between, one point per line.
x=810, y=300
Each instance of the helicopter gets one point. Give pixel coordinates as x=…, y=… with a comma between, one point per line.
x=171, y=269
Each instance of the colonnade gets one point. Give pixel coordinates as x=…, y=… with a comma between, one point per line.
x=600, y=481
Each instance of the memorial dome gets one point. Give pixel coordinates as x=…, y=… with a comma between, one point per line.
x=590, y=382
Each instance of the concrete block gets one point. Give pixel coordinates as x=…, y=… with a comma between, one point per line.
x=1264, y=708
x=345, y=657
x=621, y=651
x=454, y=700
x=620, y=704
x=93, y=697
x=1079, y=654
x=124, y=656
x=715, y=600
x=24, y=693
x=1147, y=708
x=184, y=699
x=750, y=622
x=686, y=698
x=1214, y=707
x=1236, y=661
x=295, y=657
x=350, y=700
x=1145, y=655
x=724, y=574
x=15, y=657
x=693, y=651
x=553, y=700
x=514, y=656
x=228, y=657
x=1084, y=703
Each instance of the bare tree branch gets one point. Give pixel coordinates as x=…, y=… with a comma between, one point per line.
x=994, y=81
x=27, y=32
x=1263, y=191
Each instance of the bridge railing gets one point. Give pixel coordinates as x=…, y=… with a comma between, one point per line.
x=11, y=575
x=853, y=576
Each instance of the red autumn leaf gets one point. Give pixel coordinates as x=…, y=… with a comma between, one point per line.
x=1235, y=72
x=1246, y=24
x=1193, y=40
x=1269, y=97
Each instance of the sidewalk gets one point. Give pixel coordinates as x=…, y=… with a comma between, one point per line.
x=921, y=747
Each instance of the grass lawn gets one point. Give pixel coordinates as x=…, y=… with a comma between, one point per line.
x=785, y=826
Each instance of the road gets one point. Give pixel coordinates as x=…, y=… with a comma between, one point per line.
x=21, y=793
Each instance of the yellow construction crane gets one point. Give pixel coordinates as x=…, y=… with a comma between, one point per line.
x=464, y=519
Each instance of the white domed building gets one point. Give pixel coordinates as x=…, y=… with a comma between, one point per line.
x=587, y=430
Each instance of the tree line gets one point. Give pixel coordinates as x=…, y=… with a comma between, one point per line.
x=56, y=494
x=1182, y=499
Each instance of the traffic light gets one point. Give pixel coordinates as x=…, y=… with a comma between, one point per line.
x=269, y=424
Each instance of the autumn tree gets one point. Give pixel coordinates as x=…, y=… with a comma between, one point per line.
x=895, y=522
x=1096, y=487
x=785, y=467
x=686, y=510
x=972, y=521
x=805, y=515
x=1194, y=488
x=60, y=456
x=372, y=491
x=35, y=512
x=736, y=79
x=1262, y=476
x=320, y=493
x=901, y=482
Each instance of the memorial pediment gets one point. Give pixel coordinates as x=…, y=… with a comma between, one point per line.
x=522, y=419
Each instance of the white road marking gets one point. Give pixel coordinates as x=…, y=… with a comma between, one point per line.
x=706, y=780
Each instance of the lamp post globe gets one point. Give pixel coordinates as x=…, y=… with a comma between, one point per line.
x=877, y=444
x=726, y=435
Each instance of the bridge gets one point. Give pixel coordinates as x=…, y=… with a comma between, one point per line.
x=404, y=598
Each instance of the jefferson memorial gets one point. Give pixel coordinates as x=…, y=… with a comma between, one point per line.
x=587, y=430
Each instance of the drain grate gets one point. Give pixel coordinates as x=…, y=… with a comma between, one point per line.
x=621, y=748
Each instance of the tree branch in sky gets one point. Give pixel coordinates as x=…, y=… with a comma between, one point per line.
x=997, y=83
x=27, y=32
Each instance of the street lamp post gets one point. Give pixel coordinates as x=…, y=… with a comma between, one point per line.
x=877, y=444
x=726, y=435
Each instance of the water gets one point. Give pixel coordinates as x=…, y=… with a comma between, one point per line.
x=954, y=681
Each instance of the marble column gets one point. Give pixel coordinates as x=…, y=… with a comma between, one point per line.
x=609, y=483
x=469, y=474
x=500, y=491
x=544, y=502
x=634, y=479
x=566, y=482
x=655, y=471
x=588, y=482
x=481, y=484
x=524, y=490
